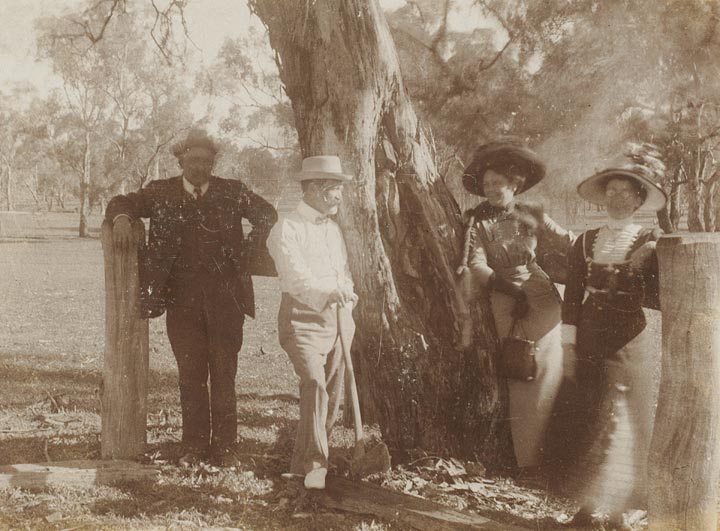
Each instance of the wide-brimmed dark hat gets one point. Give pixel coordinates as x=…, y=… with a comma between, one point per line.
x=509, y=157
x=625, y=166
x=196, y=138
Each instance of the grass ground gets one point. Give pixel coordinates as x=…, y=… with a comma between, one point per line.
x=51, y=352
x=51, y=355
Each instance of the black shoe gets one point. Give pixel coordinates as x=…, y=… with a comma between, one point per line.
x=616, y=522
x=582, y=518
x=191, y=459
x=222, y=457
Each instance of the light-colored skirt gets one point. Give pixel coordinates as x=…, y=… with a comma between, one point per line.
x=531, y=403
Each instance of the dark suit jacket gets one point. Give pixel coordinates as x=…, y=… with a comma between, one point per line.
x=163, y=202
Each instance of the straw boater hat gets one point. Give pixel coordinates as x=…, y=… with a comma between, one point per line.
x=322, y=167
x=196, y=139
x=635, y=167
x=504, y=156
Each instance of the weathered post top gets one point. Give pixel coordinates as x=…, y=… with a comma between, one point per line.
x=684, y=465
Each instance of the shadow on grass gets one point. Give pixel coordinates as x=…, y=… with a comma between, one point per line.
x=24, y=239
x=58, y=447
x=152, y=499
x=283, y=397
x=267, y=423
x=28, y=382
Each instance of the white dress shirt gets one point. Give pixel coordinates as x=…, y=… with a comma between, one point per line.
x=310, y=256
x=190, y=187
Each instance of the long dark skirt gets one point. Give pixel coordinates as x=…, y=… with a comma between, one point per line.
x=602, y=426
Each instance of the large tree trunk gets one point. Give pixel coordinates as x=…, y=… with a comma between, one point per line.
x=84, y=188
x=674, y=200
x=664, y=220
x=402, y=228
x=711, y=193
x=708, y=208
x=695, y=196
x=7, y=188
x=156, y=162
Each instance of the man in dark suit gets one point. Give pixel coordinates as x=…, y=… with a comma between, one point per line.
x=197, y=266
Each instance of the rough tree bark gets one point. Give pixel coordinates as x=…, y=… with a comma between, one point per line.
x=665, y=221
x=674, y=200
x=84, y=187
x=695, y=201
x=7, y=188
x=684, y=461
x=402, y=227
x=711, y=192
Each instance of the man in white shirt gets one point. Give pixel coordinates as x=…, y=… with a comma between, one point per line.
x=317, y=300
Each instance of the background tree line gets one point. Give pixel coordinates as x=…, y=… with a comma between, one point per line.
x=548, y=72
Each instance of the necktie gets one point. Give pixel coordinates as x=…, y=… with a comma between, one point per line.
x=198, y=192
x=321, y=219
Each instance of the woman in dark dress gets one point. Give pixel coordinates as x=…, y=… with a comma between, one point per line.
x=612, y=274
x=504, y=234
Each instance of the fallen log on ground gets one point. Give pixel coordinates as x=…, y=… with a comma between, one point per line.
x=79, y=473
x=364, y=498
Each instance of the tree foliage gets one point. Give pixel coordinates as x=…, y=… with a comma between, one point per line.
x=576, y=80
x=122, y=104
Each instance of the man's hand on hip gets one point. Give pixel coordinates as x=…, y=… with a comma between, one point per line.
x=122, y=232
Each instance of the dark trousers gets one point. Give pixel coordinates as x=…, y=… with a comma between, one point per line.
x=205, y=328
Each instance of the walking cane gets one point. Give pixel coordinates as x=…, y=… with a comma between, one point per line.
x=342, y=316
x=377, y=457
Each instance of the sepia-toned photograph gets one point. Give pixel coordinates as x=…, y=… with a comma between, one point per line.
x=364, y=265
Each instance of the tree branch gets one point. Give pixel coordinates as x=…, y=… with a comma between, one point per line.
x=266, y=145
x=86, y=24
x=163, y=25
x=491, y=63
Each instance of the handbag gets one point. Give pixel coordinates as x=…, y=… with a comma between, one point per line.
x=517, y=357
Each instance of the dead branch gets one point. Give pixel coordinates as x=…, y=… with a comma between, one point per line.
x=491, y=63
x=266, y=145
x=161, y=31
x=85, y=25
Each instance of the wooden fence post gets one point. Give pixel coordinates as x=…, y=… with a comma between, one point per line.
x=684, y=463
x=125, y=372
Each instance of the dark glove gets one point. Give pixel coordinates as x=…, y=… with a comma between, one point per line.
x=522, y=307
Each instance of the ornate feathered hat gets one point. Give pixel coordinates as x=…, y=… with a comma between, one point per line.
x=639, y=162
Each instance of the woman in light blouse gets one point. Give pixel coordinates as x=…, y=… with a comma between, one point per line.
x=612, y=274
x=504, y=237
